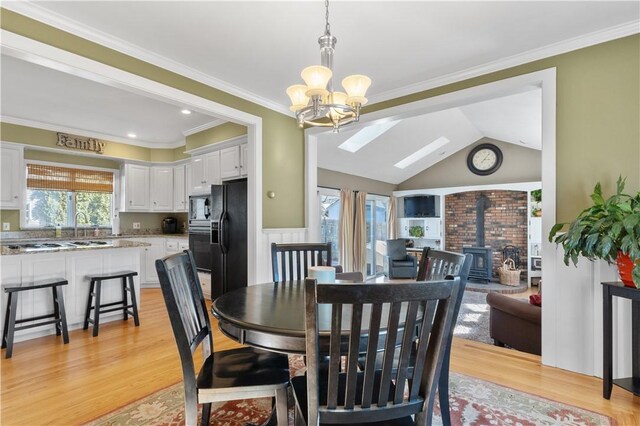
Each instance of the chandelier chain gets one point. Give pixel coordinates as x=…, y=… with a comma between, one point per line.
x=327, y=28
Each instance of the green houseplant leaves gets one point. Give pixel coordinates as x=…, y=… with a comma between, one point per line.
x=603, y=229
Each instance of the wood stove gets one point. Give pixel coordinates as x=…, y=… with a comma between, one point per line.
x=481, y=267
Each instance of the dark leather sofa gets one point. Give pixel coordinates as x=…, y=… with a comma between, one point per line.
x=515, y=323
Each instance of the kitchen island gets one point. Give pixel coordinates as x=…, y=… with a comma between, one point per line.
x=20, y=264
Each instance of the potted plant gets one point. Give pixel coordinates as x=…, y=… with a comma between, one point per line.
x=608, y=230
x=536, y=205
x=416, y=231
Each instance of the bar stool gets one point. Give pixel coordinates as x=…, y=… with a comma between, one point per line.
x=59, y=315
x=122, y=305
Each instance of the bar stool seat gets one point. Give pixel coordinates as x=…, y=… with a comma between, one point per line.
x=58, y=315
x=123, y=305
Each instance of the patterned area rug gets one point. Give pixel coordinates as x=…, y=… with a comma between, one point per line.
x=473, y=402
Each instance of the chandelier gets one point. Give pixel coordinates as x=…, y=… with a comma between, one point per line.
x=315, y=103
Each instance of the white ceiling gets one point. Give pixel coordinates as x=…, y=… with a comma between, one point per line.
x=43, y=97
x=515, y=119
x=257, y=49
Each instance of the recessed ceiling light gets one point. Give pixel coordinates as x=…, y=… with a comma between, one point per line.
x=185, y=112
x=422, y=152
x=132, y=135
x=442, y=153
x=522, y=142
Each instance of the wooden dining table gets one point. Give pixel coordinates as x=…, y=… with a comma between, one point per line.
x=270, y=316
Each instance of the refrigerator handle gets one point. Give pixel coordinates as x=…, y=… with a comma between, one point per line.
x=223, y=234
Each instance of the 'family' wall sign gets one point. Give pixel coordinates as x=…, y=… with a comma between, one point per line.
x=79, y=142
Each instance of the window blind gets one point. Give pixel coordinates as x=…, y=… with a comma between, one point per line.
x=67, y=179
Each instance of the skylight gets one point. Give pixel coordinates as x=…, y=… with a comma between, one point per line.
x=422, y=152
x=365, y=136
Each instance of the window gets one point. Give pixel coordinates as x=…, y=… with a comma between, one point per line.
x=55, y=194
x=330, y=220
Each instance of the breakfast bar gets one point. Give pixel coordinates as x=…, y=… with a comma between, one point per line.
x=74, y=261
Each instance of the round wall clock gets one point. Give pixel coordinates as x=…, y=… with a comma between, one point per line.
x=484, y=159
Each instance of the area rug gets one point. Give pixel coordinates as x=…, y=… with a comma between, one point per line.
x=473, y=319
x=473, y=402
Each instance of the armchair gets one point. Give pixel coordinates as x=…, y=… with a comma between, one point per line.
x=515, y=323
x=401, y=265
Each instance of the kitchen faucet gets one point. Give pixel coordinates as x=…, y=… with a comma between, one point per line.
x=86, y=221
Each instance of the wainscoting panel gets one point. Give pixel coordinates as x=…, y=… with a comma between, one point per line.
x=572, y=318
x=278, y=236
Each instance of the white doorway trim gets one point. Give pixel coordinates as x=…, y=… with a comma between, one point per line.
x=544, y=79
x=43, y=54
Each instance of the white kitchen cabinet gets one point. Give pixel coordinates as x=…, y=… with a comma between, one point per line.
x=205, y=171
x=244, y=166
x=230, y=163
x=432, y=228
x=176, y=245
x=11, y=178
x=136, y=194
x=179, y=189
x=161, y=189
x=148, y=257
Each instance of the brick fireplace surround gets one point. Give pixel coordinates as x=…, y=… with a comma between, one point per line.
x=505, y=223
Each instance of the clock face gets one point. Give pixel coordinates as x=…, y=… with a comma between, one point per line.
x=484, y=159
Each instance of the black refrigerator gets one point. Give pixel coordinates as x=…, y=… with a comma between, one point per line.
x=228, y=237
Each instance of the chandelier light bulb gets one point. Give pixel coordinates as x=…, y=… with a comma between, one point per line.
x=356, y=87
x=316, y=77
x=297, y=94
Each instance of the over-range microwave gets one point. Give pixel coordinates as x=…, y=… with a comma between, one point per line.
x=199, y=212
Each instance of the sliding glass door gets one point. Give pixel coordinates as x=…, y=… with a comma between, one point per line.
x=376, y=220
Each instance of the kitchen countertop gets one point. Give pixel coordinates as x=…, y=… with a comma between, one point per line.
x=5, y=241
x=115, y=244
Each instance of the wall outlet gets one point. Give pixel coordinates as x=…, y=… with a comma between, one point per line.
x=136, y=225
x=6, y=226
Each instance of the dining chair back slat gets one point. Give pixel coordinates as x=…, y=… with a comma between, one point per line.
x=292, y=261
x=437, y=264
x=358, y=313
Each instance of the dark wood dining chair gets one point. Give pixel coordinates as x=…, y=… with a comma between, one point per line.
x=226, y=375
x=438, y=265
x=292, y=261
x=374, y=396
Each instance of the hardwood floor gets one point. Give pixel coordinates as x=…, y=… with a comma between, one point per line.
x=47, y=382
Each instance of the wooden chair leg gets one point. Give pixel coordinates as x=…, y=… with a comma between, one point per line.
x=12, y=325
x=96, y=309
x=206, y=414
x=56, y=311
x=125, y=298
x=62, y=314
x=134, y=302
x=281, y=407
x=6, y=320
x=87, y=313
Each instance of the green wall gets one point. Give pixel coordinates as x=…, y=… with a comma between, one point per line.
x=283, y=150
x=214, y=135
x=11, y=216
x=597, y=117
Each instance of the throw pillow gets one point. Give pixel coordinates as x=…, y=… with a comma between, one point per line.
x=536, y=299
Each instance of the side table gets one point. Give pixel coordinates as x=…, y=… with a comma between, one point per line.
x=632, y=384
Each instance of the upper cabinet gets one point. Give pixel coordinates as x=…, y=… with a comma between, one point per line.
x=11, y=177
x=161, y=189
x=244, y=167
x=179, y=188
x=232, y=162
x=136, y=194
x=205, y=171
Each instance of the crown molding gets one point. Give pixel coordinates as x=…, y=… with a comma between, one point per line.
x=63, y=23
x=88, y=133
x=554, y=49
x=205, y=126
x=79, y=29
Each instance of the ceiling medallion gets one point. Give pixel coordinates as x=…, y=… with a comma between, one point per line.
x=315, y=103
